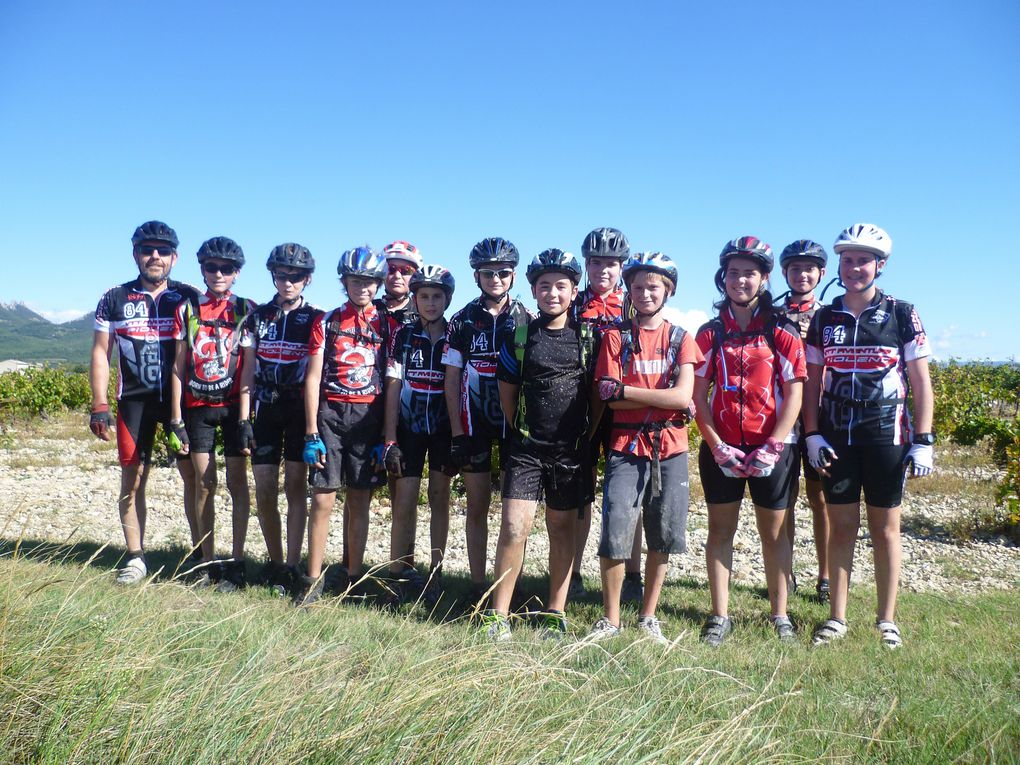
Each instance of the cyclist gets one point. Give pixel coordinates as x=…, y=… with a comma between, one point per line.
x=803, y=263
x=402, y=261
x=137, y=318
x=867, y=352
x=205, y=392
x=754, y=367
x=603, y=304
x=272, y=388
x=645, y=374
x=417, y=425
x=344, y=414
x=544, y=376
x=473, y=339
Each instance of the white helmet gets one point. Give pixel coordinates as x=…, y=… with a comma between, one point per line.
x=401, y=250
x=867, y=237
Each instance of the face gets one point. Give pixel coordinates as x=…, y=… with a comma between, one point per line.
x=219, y=275
x=554, y=293
x=603, y=274
x=803, y=275
x=154, y=260
x=290, y=282
x=647, y=292
x=858, y=269
x=495, y=280
x=743, y=279
x=431, y=302
x=360, y=289
x=398, y=277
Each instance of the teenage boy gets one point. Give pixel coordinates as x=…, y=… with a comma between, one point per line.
x=139, y=317
x=803, y=263
x=417, y=425
x=272, y=390
x=205, y=393
x=473, y=339
x=344, y=415
x=645, y=374
x=544, y=382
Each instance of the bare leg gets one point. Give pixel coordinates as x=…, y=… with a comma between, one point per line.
x=205, y=496
x=240, y=501
x=612, y=584
x=356, y=532
x=656, y=566
x=405, y=521
x=295, y=486
x=561, y=526
x=267, y=489
x=884, y=525
x=791, y=523
x=187, y=473
x=518, y=518
x=844, y=523
x=819, y=523
x=479, y=496
x=722, y=526
x=131, y=505
x=582, y=529
x=775, y=550
x=318, y=529
x=439, y=522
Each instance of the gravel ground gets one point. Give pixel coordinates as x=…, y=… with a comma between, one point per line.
x=57, y=483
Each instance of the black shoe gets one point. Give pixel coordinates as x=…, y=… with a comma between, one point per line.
x=278, y=578
x=576, y=591
x=308, y=590
x=433, y=587
x=233, y=576
x=406, y=586
x=478, y=597
x=336, y=581
x=633, y=590
x=822, y=588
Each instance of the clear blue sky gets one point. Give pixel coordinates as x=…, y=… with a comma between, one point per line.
x=334, y=124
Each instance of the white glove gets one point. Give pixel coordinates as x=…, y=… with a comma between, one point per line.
x=819, y=451
x=920, y=460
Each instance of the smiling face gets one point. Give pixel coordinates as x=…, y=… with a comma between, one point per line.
x=360, y=289
x=803, y=275
x=219, y=275
x=554, y=292
x=744, y=280
x=495, y=280
x=430, y=302
x=858, y=269
x=154, y=260
x=603, y=274
x=648, y=292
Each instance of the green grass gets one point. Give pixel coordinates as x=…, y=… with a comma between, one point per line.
x=90, y=673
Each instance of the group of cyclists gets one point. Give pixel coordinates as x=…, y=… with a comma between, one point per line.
x=381, y=386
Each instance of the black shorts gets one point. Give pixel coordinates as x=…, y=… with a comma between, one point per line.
x=532, y=474
x=772, y=492
x=802, y=464
x=201, y=423
x=878, y=470
x=481, y=454
x=279, y=430
x=351, y=433
x=415, y=447
x=136, y=428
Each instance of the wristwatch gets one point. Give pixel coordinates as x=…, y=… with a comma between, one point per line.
x=924, y=439
x=311, y=437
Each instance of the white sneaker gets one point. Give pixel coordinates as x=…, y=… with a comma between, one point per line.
x=649, y=627
x=603, y=629
x=133, y=572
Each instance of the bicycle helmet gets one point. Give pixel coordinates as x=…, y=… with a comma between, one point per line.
x=493, y=250
x=221, y=248
x=750, y=247
x=291, y=255
x=362, y=261
x=655, y=262
x=554, y=261
x=867, y=237
x=605, y=243
x=154, y=231
x=804, y=249
x=434, y=276
x=401, y=250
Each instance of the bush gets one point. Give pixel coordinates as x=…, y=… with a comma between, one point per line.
x=43, y=390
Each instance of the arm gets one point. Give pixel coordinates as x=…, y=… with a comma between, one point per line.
x=662, y=398
x=508, y=393
x=99, y=380
x=451, y=391
x=703, y=413
x=786, y=417
x=247, y=383
x=921, y=390
x=313, y=379
x=812, y=397
x=392, y=408
x=177, y=380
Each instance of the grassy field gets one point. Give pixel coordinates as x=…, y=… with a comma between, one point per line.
x=90, y=673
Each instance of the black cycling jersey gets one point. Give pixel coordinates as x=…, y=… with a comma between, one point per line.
x=280, y=340
x=406, y=315
x=865, y=385
x=143, y=327
x=418, y=363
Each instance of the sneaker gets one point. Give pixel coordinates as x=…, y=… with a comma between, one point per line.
x=650, y=627
x=233, y=576
x=603, y=629
x=336, y=581
x=576, y=591
x=891, y=637
x=554, y=625
x=831, y=629
x=407, y=585
x=477, y=597
x=822, y=590
x=278, y=578
x=633, y=590
x=433, y=588
x=716, y=629
x=133, y=572
x=784, y=629
x=495, y=626
x=308, y=590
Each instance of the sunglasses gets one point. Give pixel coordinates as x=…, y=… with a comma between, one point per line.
x=293, y=277
x=402, y=270
x=227, y=269
x=503, y=273
x=163, y=252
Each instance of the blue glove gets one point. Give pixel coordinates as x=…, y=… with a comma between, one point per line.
x=315, y=450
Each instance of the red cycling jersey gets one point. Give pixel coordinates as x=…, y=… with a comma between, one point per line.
x=600, y=312
x=353, y=345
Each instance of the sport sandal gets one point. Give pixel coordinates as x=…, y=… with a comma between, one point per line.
x=891, y=637
x=716, y=629
x=831, y=629
x=784, y=629
x=822, y=591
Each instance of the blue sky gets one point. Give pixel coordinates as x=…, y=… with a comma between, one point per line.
x=334, y=124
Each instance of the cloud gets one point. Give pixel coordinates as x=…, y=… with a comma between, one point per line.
x=58, y=317
x=689, y=320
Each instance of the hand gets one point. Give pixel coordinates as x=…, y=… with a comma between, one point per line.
x=761, y=462
x=314, y=454
x=100, y=421
x=378, y=458
x=460, y=451
x=177, y=438
x=920, y=460
x=394, y=459
x=730, y=460
x=246, y=437
x=610, y=389
x=820, y=452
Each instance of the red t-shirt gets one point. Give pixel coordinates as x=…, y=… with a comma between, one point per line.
x=353, y=345
x=650, y=367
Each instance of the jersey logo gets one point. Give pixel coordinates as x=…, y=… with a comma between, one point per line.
x=879, y=316
x=836, y=335
x=135, y=309
x=418, y=358
x=301, y=318
x=267, y=330
x=479, y=344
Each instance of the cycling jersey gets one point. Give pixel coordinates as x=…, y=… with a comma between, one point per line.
x=600, y=312
x=213, y=330
x=748, y=373
x=473, y=339
x=280, y=339
x=865, y=385
x=418, y=363
x=800, y=312
x=406, y=315
x=142, y=324
x=353, y=346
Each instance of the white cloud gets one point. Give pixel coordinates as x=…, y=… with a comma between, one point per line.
x=58, y=317
x=689, y=320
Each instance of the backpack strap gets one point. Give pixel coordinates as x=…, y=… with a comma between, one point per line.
x=520, y=341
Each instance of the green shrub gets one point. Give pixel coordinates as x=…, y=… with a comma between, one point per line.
x=42, y=390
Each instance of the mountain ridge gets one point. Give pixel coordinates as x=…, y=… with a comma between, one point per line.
x=27, y=336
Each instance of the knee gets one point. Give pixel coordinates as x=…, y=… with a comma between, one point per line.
x=843, y=530
x=515, y=529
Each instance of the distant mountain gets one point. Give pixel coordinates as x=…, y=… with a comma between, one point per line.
x=27, y=336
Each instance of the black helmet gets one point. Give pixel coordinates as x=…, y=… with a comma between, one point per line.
x=221, y=248
x=155, y=231
x=804, y=249
x=606, y=243
x=362, y=261
x=494, y=250
x=554, y=261
x=434, y=276
x=750, y=247
x=655, y=262
x=291, y=255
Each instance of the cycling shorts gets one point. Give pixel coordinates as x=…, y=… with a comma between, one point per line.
x=351, y=432
x=416, y=446
x=771, y=492
x=136, y=428
x=801, y=464
x=481, y=453
x=279, y=425
x=532, y=474
x=877, y=470
x=201, y=423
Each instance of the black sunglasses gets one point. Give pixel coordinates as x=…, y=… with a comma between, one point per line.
x=227, y=269
x=293, y=276
x=163, y=252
